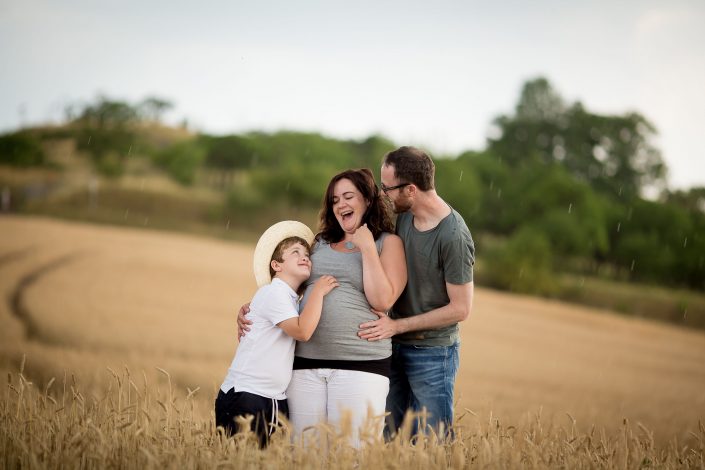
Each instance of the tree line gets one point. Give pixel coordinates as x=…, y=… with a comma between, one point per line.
x=558, y=188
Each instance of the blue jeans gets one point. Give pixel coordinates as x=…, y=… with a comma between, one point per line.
x=422, y=377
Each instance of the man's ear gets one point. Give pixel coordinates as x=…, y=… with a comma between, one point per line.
x=275, y=266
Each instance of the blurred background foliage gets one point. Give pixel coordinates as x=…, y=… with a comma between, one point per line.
x=562, y=202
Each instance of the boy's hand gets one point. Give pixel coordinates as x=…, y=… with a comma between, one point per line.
x=325, y=284
x=242, y=322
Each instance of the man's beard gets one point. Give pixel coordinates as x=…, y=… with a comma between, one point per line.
x=401, y=205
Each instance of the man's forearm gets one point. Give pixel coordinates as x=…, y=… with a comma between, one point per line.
x=438, y=318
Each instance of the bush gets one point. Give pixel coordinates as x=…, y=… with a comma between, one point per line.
x=21, y=149
x=522, y=264
x=181, y=160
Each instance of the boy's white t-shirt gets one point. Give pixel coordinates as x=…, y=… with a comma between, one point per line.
x=265, y=357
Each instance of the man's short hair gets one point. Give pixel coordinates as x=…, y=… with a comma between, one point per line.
x=412, y=165
x=283, y=245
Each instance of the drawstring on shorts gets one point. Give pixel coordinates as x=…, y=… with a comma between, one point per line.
x=274, y=422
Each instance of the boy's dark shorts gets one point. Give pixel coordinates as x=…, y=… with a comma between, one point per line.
x=230, y=405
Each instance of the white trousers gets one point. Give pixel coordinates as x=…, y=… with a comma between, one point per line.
x=325, y=395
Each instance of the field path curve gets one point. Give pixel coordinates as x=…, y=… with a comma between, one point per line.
x=18, y=303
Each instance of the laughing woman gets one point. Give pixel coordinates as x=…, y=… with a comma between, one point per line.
x=336, y=372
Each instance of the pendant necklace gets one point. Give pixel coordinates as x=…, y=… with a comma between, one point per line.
x=349, y=245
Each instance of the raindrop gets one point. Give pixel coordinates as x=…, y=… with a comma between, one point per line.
x=499, y=193
x=129, y=151
x=89, y=139
x=127, y=212
x=227, y=226
x=521, y=272
x=570, y=207
x=632, y=268
x=288, y=185
x=685, y=242
x=619, y=225
x=582, y=281
x=685, y=312
x=146, y=220
x=461, y=175
x=620, y=190
x=491, y=184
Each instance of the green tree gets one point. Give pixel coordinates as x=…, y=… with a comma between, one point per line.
x=230, y=152
x=369, y=151
x=153, y=107
x=21, y=149
x=107, y=113
x=106, y=130
x=565, y=210
x=692, y=199
x=460, y=186
x=182, y=160
x=614, y=154
x=493, y=179
x=522, y=264
x=648, y=240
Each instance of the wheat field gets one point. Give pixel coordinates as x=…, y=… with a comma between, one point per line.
x=114, y=342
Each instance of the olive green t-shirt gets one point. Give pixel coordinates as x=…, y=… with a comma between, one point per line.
x=446, y=253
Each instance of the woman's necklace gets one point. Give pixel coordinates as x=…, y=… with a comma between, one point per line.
x=348, y=245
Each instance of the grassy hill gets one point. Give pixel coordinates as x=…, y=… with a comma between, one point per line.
x=244, y=183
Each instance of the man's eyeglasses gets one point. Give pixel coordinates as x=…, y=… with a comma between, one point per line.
x=386, y=189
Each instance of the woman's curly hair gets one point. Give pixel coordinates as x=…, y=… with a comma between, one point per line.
x=377, y=217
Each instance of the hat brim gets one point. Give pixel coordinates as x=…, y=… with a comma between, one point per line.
x=269, y=241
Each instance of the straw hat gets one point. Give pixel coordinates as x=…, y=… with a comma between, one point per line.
x=269, y=241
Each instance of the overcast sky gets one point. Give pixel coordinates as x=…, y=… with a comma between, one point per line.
x=432, y=74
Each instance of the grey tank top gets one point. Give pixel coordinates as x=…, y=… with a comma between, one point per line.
x=344, y=309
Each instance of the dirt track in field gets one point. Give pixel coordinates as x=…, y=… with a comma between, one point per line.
x=81, y=297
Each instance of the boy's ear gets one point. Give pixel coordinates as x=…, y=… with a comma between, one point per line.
x=275, y=265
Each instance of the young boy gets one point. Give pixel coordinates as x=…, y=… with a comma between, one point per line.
x=261, y=370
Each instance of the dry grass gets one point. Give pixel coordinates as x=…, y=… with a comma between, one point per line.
x=137, y=425
x=545, y=384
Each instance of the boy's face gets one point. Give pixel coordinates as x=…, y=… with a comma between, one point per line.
x=295, y=262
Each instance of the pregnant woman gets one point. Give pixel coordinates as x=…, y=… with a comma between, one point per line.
x=336, y=372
